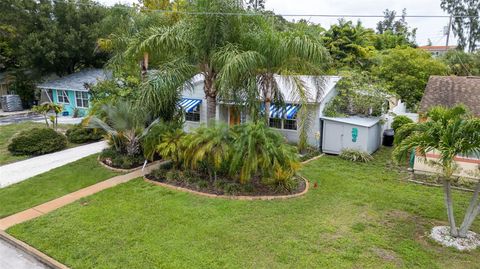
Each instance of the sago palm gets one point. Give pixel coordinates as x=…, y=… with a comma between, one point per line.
x=448, y=132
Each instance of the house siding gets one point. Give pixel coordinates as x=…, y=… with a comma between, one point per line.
x=72, y=105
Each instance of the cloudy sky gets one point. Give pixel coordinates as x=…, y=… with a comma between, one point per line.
x=428, y=28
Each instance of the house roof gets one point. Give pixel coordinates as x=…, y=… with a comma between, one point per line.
x=355, y=120
x=76, y=81
x=312, y=83
x=450, y=91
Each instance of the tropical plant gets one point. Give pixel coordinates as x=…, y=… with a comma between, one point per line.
x=210, y=147
x=156, y=135
x=79, y=134
x=171, y=146
x=355, y=155
x=261, y=151
x=448, y=132
x=124, y=124
x=400, y=121
x=45, y=108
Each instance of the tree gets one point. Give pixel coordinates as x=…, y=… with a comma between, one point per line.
x=255, y=4
x=406, y=71
x=466, y=21
x=350, y=45
x=461, y=63
x=267, y=54
x=448, y=132
x=187, y=49
x=398, y=28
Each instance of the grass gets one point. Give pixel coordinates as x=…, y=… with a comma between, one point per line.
x=52, y=184
x=10, y=130
x=360, y=216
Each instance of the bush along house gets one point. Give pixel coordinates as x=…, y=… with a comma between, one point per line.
x=72, y=91
x=328, y=134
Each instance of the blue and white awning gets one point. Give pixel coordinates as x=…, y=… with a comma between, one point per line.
x=189, y=105
x=280, y=112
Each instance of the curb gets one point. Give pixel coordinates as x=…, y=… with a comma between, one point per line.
x=35, y=253
x=232, y=197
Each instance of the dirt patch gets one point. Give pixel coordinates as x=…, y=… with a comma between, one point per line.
x=388, y=256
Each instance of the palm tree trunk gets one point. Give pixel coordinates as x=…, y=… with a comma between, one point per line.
x=267, y=111
x=46, y=120
x=472, y=212
x=211, y=95
x=449, y=204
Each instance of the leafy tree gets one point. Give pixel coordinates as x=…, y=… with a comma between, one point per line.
x=466, y=21
x=448, y=132
x=397, y=31
x=350, y=45
x=255, y=4
x=406, y=71
x=461, y=63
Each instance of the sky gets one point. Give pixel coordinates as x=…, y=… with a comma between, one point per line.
x=427, y=28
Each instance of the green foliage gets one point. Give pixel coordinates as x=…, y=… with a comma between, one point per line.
x=113, y=158
x=406, y=71
x=399, y=121
x=155, y=135
x=466, y=21
x=24, y=86
x=79, y=134
x=358, y=94
x=393, y=33
x=171, y=146
x=37, y=141
x=461, y=63
x=355, y=155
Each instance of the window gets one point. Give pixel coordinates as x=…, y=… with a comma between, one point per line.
x=82, y=99
x=62, y=97
x=194, y=115
x=290, y=124
x=276, y=123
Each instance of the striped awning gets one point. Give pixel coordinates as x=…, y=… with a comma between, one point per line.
x=288, y=112
x=189, y=104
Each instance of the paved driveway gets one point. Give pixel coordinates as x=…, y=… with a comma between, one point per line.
x=13, y=258
x=19, y=171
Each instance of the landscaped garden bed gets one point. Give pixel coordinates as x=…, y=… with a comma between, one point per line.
x=224, y=186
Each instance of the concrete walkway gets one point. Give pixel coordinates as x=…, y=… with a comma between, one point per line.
x=12, y=257
x=19, y=171
x=47, y=207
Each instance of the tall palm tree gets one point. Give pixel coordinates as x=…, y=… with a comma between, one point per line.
x=269, y=56
x=450, y=132
x=190, y=44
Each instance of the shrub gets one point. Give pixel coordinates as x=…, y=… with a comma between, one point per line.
x=355, y=155
x=37, y=141
x=399, y=121
x=78, y=134
x=113, y=158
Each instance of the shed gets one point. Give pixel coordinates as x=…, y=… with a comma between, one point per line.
x=359, y=133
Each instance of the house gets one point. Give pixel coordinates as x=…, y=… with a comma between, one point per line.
x=449, y=91
x=72, y=91
x=285, y=121
x=437, y=51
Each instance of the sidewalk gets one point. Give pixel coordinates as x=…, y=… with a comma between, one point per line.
x=22, y=170
x=12, y=257
x=47, y=207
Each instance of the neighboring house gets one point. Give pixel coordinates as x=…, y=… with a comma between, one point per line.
x=72, y=91
x=437, y=51
x=330, y=134
x=449, y=91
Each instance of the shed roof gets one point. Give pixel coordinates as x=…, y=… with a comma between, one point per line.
x=76, y=81
x=356, y=120
x=450, y=91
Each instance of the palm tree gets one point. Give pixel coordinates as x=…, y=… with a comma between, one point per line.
x=186, y=49
x=171, y=146
x=269, y=53
x=210, y=146
x=450, y=132
x=262, y=151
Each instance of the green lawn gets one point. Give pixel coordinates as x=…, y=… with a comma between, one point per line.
x=10, y=130
x=360, y=216
x=52, y=184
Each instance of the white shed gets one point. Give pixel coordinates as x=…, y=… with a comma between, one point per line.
x=359, y=133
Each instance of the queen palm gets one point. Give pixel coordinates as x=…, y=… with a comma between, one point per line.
x=448, y=132
x=268, y=53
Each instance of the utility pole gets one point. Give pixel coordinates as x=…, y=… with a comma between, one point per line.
x=448, y=31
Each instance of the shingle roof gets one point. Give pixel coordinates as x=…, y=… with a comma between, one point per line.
x=77, y=81
x=450, y=91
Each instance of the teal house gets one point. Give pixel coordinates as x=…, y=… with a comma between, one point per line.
x=72, y=91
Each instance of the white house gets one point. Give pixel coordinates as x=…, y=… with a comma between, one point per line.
x=195, y=106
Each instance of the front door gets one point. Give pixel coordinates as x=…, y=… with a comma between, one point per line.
x=234, y=118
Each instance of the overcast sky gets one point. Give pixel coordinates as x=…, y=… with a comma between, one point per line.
x=428, y=28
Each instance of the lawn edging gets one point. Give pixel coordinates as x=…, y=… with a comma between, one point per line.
x=38, y=255
x=313, y=158
x=119, y=170
x=233, y=197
